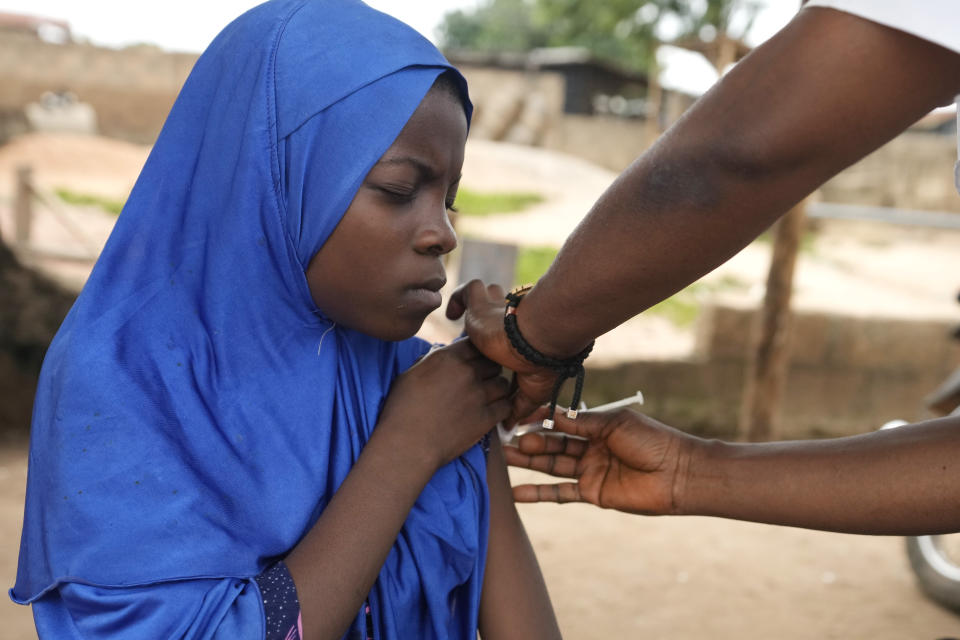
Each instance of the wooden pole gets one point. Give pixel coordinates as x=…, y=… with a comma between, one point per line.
x=654, y=104
x=767, y=369
x=22, y=208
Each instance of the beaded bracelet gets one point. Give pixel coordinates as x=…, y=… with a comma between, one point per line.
x=568, y=368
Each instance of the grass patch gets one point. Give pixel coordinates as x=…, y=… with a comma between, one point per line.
x=533, y=262
x=808, y=240
x=474, y=203
x=682, y=308
x=87, y=200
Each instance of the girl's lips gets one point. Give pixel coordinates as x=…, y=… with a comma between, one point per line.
x=422, y=297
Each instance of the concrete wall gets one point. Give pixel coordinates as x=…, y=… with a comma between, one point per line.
x=847, y=375
x=608, y=141
x=514, y=106
x=912, y=171
x=131, y=90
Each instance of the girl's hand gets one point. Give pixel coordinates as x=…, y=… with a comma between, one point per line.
x=446, y=402
x=482, y=307
x=627, y=461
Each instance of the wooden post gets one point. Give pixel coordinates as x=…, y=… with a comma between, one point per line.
x=22, y=208
x=767, y=369
x=492, y=262
x=654, y=104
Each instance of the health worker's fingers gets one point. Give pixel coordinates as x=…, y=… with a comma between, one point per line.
x=460, y=298
x=560, y=493
x=552, y=443
x=556, y=465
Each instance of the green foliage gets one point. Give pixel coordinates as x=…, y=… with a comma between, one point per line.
x=87, y=200
x=495, y=25
x=612, y=30
x=682, y=308
x=473, y=203
x=532, y=263
x=623, y=31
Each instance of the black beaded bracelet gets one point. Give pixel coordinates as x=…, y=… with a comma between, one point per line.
x=571, y=367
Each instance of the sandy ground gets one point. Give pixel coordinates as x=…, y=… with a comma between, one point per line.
x=617, y=576
x=613, y=575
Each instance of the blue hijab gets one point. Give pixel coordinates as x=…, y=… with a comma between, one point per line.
x=196, y=411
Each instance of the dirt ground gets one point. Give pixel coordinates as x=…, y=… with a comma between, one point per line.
x=617, y=576
x=613, y=575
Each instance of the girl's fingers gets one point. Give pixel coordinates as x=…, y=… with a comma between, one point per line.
x=496, y=389
x=560, y=493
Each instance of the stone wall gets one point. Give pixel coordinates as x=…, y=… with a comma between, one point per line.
x=847, y=375
x=131, y=89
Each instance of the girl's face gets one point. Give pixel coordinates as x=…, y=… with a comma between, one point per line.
x=381, y=269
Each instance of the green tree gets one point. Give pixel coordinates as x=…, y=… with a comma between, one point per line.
x=612, y=30
x=625, y=31
x=496, y=25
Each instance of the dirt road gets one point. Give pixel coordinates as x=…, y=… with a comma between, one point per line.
x=618, y=576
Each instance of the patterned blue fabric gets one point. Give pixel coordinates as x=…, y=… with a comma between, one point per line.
x=195, y=357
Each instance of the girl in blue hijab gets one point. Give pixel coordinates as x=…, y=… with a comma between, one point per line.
x=235, y=434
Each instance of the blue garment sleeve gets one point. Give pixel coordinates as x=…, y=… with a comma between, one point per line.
x=199, y=609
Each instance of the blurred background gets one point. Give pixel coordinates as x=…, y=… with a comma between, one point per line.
x=856, y=289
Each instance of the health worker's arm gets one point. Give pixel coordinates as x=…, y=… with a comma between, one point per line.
x=822, y=93
x=899, y=481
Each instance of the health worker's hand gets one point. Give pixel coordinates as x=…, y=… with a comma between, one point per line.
x=482, y=307
x=625, y=461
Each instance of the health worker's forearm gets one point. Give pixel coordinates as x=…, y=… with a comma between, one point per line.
x=821, y=94
x=903, y=481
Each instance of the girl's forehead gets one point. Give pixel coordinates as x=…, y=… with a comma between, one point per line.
x=433, y=137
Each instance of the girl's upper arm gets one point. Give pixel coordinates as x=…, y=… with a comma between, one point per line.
x=515, y=602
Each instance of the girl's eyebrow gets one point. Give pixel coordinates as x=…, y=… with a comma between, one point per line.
x=426, y=171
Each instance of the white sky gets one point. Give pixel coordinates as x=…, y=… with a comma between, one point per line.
x=189, y=25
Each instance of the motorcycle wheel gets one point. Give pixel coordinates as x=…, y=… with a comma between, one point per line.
x=936, y=562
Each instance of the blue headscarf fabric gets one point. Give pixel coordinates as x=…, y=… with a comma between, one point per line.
x=196, y=411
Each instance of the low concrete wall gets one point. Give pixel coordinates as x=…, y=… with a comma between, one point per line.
x=131, y=89
x=847, y=375
x=912, y=171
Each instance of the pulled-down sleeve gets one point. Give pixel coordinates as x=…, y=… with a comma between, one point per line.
x=263, y=608
x=194, y=609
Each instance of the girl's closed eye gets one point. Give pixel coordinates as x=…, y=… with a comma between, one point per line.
x=397, y=193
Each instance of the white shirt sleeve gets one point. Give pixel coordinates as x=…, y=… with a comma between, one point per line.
x=935, y=20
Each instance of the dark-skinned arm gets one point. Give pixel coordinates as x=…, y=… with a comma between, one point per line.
x=515, y=602
x=336, y=563
x=899, y=481
x=825, y=91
